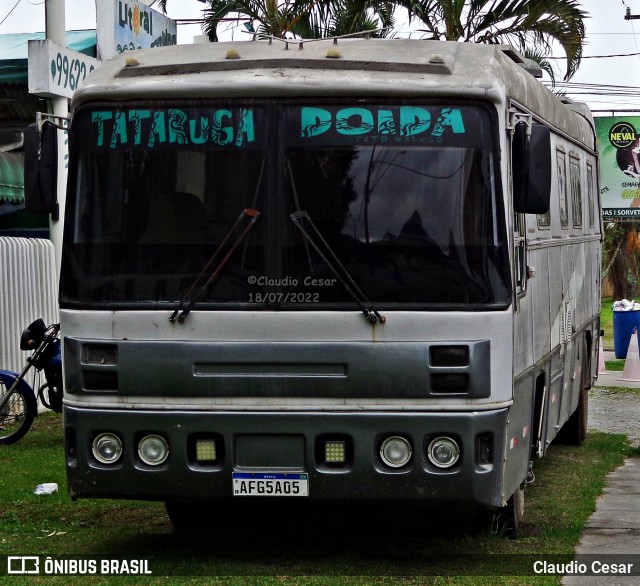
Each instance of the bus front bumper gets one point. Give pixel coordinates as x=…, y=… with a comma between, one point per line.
x=337, y=454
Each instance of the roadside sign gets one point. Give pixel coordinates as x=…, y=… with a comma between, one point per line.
x=55, y=71
x=127, y=25
x=618, y=140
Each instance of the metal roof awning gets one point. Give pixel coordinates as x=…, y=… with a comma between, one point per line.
x=14, y=51
x=17, y=106
x=11, y=178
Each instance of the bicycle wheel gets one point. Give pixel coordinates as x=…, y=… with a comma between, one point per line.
x=17, y=415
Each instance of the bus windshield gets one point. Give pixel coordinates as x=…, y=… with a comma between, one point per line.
x=404, y=197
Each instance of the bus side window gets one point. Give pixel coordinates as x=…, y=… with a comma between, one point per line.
x=562, y=188
x=590, y=196
x=576, y=191
x=544, y=220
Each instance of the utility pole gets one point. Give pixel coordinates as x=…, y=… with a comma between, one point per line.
x=56, y=31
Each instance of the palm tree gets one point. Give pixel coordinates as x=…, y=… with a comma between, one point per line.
x=303, y=18
x=530, y=25
x=539, y=56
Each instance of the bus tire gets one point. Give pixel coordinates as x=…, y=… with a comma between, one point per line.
x=506, y=521
x=574, y=431
x=181, y=515
x=192, y=516
x=509, y=518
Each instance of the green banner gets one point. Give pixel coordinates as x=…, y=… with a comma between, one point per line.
x=618, y=139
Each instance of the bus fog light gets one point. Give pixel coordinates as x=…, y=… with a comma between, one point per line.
x=395, y=451
x=335, y=452
x=443, y=452
x=107, y=448
x=206, y=450
x=153, y=450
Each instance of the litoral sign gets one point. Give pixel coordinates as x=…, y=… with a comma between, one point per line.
x=127, y=25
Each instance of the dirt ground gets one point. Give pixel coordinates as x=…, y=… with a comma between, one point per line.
x=615, y=412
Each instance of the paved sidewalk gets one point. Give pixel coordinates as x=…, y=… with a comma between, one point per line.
x=614, y=379
x=614, y=528
x=612, y=533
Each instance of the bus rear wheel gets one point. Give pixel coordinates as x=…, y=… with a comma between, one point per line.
x=574, y=431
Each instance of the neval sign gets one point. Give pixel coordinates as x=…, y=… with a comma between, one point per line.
x=152, y=128
x=403, y=121
x=622, y=135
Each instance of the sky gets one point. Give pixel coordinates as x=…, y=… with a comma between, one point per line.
x=611, y=58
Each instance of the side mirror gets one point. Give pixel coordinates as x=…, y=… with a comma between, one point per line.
x=531, y=169
x=41, y=169
x=33, y=335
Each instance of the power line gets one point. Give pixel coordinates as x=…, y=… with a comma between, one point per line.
x=588, y=85
x=595, y=93
x=10, y=11
x=600, y=56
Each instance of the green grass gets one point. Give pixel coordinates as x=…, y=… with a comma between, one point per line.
x=614, y=365
x=619, y=390
x=360, y=545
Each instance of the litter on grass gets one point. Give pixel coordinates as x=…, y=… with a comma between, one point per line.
x=46, y=488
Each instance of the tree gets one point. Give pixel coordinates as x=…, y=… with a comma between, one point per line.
x=302, y=18
x=620, y=259
x=539, y=56
x=529, y=25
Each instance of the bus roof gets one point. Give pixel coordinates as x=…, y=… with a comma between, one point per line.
x=333, y=68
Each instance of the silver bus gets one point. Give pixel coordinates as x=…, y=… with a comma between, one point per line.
x=332, y=270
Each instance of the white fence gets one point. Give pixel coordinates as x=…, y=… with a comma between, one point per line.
x=28, y=290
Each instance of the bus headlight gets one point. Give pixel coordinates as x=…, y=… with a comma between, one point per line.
x=153, y=450
x=443, y=452
x=395, y=451
x=107, y=448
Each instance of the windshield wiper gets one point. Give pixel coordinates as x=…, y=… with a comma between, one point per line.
x=188, y=301
x=342, y=275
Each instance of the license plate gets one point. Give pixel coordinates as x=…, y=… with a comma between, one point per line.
x=270, y=484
